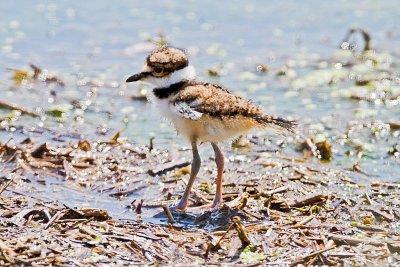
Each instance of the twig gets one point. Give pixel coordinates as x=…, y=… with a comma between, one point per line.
x=130, y=190
x=6, y=185
x=88, y=231
x=3, y=249
x=40, y=150
x=168, y=213
x=275, y=191
x=241, y=231
x=21, y=163
x=371, y=228
x=218, y=244
x=14, y=107
x=151, y=143
x=306, y=201
x=168, y=167
x=26, y=261
x=5, y=144
x=306, y=220
x=387, y=216
x=243, y=201
x=365, y=35
x=355, y=241
x=71, y=220
x=139, y=206
x=369, y=200
x=394, y=125
x=251, y=215
x=329, y=246
x=136, y=251
x=54, y=218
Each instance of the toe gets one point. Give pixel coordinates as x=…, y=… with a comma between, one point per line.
x=178, y=208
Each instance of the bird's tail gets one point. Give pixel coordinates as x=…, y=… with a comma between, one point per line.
x=277, y=123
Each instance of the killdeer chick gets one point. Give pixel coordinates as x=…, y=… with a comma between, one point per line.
x=201, y=112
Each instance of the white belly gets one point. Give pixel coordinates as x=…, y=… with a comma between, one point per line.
x=182, y=125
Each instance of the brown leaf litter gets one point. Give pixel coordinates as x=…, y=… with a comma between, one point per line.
x=286, y=213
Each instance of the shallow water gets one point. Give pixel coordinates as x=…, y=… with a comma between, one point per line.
x=99, y=42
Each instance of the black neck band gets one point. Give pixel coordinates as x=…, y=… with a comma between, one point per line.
x=165, y=92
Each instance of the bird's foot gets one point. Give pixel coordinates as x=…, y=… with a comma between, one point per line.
x=208, y=207
x=201, y=208
x=178, y=207
x=182, y=206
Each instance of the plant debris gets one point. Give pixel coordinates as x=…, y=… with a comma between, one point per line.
x=277, y=218
x=35, y=74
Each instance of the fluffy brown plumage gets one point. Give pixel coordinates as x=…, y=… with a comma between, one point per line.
x=168, y=58
x=218, y=102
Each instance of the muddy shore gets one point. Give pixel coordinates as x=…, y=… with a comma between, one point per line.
x=278, y=210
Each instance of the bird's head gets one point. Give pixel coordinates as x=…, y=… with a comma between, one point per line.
x=165, y=66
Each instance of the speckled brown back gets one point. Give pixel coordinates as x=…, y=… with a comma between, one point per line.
x=168, y=58
x=216, y=101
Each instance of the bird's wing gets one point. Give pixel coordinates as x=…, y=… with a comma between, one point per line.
x=186, y=110
x=197, y=99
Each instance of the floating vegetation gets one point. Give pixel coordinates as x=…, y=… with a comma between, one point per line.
x=348, y=44
x=160, y=40
x=320, y=149
x=21, y=77
x=213, y=73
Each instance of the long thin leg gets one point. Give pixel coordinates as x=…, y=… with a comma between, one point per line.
x=219, y=160
x=196, y=162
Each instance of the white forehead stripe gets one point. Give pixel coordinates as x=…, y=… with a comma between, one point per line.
x=187, y=73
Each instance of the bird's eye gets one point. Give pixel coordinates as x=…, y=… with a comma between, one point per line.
x=158, y=70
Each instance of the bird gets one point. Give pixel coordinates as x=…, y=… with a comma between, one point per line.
x=201, y=112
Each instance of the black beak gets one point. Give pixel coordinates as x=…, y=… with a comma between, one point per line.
x=136, y=77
